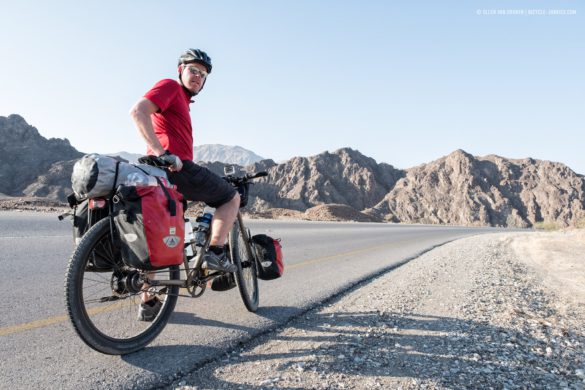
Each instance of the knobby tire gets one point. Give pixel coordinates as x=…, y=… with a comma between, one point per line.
x=246, y=274
x=110, y=327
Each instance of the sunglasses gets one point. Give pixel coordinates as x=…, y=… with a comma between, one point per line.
x=196, y=71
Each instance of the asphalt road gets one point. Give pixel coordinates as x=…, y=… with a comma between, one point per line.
x=39, y=349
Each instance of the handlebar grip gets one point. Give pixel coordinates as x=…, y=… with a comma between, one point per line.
x=154, y=161
x=250, y=176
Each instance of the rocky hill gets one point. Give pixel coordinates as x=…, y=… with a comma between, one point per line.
x=343, y=177
x=467, y=190
x=54, y=184
x=225, y=154
x=31, y=164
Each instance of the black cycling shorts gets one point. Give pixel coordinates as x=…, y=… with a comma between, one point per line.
x=198, y=183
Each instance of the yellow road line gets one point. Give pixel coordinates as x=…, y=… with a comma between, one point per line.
x=59, y=319
x=345, y=254
x=32, y=325
x=56, y=320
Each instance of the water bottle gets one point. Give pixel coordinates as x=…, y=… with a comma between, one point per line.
x=203, y=224
x=140, y=179
x=189, y=239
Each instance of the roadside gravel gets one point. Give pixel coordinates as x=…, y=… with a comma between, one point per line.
x=475, y=313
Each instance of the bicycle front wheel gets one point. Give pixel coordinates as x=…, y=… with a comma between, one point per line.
x=246, y=274
x=102, y=296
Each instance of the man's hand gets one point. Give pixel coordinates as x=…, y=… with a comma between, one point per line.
x=175, y=163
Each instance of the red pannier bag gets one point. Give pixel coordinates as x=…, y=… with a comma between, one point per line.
x=270, y=261
x=150, y=225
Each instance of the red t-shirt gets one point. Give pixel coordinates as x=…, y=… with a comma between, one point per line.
x=172, y=123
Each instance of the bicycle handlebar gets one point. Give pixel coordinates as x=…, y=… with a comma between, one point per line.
x=246, y=178
x=160, y=163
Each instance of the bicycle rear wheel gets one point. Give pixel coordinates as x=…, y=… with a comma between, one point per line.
x=246, y=274
x=102, y=304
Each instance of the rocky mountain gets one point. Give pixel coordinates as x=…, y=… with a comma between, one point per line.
x=54, y=184
x=32, y=164
x=225, y=154
x=343, y=177
x=466, y=190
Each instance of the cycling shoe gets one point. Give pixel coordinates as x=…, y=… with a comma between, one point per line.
x=147, y=311
x=218, y=262
x=223, y=283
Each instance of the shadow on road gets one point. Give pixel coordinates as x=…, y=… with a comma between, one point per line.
x=378, y=348
x=275, y=314
x=193, y=356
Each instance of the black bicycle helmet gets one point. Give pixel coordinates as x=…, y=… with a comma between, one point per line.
x=195, y=55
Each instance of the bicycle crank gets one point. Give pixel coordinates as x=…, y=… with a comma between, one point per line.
x=195, y=284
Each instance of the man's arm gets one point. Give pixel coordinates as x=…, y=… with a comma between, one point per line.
x=141, y=113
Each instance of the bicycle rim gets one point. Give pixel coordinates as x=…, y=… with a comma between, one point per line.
x=103, y=315
x=246, y=274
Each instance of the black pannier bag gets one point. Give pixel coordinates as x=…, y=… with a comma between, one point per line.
x=84, y=217
x=150, y=225
x=270, y=261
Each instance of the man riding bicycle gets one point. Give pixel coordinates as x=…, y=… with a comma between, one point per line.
x=163, y=120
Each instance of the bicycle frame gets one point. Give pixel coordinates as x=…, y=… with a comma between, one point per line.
x=197, y=277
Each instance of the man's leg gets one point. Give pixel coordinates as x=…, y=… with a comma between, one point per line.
x=223, y=219
x=199, y=183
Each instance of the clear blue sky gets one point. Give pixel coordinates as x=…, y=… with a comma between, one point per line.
x=402, y=82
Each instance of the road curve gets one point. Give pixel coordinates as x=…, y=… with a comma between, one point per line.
x=39, y=348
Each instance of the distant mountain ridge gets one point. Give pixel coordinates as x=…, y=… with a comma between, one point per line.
x=456, y=189
x=225, y=153
x=209, y=153
x=130, y=157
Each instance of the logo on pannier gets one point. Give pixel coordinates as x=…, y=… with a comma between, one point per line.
x=130, y=237
x=266, y=263
x=171, y=240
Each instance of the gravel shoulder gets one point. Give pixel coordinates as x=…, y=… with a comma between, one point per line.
x=493, y=311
